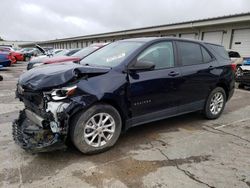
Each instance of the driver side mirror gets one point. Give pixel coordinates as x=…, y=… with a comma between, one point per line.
x=142, y=66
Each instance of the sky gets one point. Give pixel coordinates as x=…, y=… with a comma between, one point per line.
x=37, y=20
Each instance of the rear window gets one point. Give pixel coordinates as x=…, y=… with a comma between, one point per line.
x=220, y=50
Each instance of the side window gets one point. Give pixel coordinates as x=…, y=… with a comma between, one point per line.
x=206, y=56
x=190, y=53
x=161, y=54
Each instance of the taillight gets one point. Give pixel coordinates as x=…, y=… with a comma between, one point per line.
x=234, y=67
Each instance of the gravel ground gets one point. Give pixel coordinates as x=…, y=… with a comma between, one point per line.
x=185, y=151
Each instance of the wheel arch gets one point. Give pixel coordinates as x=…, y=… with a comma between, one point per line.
x=110, y=102
x=116, y=105
x=225, y=87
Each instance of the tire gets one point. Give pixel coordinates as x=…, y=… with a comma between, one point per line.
x=1, y=78
x=241, y=86
x=83, y=126
x=27, y=59
x=208, y=110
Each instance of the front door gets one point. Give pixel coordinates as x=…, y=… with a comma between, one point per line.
x=152, y=92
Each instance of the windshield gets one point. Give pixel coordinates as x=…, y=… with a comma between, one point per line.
x=85, y=51
x=71, y=52
x=26, y=49
x=112, y=54
x=62, y=53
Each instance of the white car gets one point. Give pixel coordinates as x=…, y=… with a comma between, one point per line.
x=235, y=57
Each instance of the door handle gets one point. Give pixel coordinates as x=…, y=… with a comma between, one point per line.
x=173, y=74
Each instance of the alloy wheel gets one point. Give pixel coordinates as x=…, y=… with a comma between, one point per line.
x=99, y=129
x=216, y=103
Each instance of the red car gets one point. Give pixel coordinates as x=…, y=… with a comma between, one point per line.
x=12, y=58
x=77, y=57
x=17, y=55
x=8, y=56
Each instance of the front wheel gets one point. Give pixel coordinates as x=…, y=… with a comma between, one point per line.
x=215, y=103
x=26, y=58
x=96, y=129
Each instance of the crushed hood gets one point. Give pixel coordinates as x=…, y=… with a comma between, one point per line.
x=55, y=75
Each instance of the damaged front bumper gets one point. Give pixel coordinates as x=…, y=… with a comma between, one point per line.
x=44, y=123
x=45, y=129
x=34, y=134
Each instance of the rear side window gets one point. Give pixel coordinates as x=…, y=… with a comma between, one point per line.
x=190, y=53
x=206, y=56
x=220, y=50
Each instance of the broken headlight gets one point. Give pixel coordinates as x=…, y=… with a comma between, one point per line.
x=63, y=93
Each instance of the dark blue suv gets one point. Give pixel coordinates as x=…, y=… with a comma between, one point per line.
x=124, y=84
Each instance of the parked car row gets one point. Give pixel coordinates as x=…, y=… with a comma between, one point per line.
x=9, y=55
x=72, y=55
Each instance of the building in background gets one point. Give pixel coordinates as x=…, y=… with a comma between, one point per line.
x=14, y=44
x=232, y=31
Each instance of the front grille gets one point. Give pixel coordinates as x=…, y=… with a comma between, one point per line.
x=32, y=100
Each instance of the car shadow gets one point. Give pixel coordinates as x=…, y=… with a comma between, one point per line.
x=142, y=134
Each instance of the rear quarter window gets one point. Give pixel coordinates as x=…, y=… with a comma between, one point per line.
x=206, y=56
x=220, y=50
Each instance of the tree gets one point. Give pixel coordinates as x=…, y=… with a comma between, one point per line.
x=1, y=39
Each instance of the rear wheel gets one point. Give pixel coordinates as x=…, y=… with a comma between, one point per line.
x=1, y=78
x=215, y=103
x=96, y=129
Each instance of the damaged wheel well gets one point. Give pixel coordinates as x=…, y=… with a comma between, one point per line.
x=72, y=120
x=117, y=107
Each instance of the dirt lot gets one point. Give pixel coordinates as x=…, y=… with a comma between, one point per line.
x=186, y=151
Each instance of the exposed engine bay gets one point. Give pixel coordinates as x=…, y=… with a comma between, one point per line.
x=44, y=123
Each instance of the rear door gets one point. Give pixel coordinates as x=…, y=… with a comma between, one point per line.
x=155, y=90
x=197, y=67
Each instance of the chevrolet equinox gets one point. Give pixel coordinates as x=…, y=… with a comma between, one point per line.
x=122, y=85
